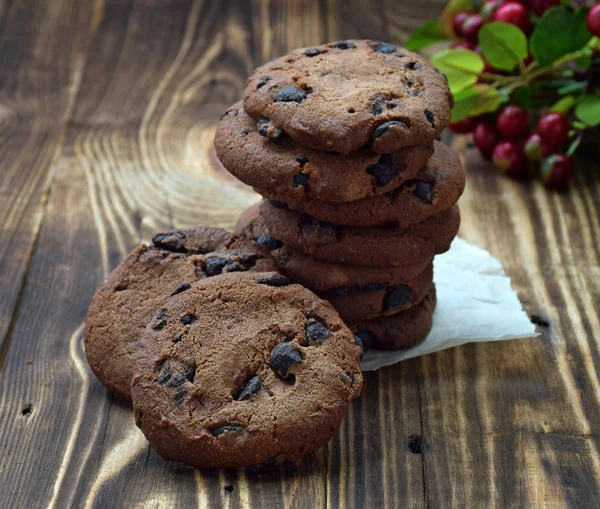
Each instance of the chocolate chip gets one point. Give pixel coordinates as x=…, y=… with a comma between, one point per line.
x=384, y=128
x=268, y=130
x=283, y=357
x=424, y=191
x=253, y=385
x=275, y=280
x=430, y=117
x=234, y=266
x=159, y=324
x=190, y=372
x=384, y=170
x=263, y=81
x=378, y=106
x=366, y=338
x=312, y=52
x=316, y=332
x=278, y=204
x=164, y=370
x=270, y=242
x=343, y=45
x=177, y=381
x=181, y=288
x=384, y=47
x=187, y=319
x=228, y=428
x=177, y=337
x=300, y=180
x=397, y=297
x=180, y=394
x=289, y=94
x=214, y=265
x=411, y=66
x=302, y=159
x=170, y=241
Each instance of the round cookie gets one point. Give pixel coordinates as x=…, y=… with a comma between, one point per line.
x=379, y=299
x=317, y=275
x=128, y=298
x=435, y=189
x=380, y=246
x=349, y=94
x=397, y=332
x=294, y=173
x=244, y=368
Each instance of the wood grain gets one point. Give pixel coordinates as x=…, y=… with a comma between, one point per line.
x=119, y=141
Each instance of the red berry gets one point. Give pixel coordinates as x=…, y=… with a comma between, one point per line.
x=536, y=147
x=512, y=122
x=593, y=20
x=489, y=8
x=464, y=126
x=509, y=157
x=513, y=13
x=457, y=22
x=556, y=171
x=485, y=138
x=462, y=44
x=541, y=6
x=471, y=26
x=554, y=128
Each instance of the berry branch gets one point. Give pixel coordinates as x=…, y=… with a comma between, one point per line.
x=525, y=77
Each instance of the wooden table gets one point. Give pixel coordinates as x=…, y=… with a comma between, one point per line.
x=107, y=113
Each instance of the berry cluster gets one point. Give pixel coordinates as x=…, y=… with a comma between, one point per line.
x=526, y=79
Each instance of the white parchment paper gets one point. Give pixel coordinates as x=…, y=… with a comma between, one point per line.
x=475, y=302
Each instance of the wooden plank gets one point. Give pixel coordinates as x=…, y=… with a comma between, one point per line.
x=42, y=52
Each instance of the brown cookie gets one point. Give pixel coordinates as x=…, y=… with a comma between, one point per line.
x=294, y=173
x=128, y=298
x=379, y=299
x=345, y=95
x=380, y=246
x=435, y=189
x=315, y=274
x=397, y=332
x=244, y=368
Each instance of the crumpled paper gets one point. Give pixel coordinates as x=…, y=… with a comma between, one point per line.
x=475, y=303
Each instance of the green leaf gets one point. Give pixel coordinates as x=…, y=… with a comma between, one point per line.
x=475, y=101
x=489, y=99
x=572, y=86
x=588, y=110
x=579, y=125
x=452, y=9
x=461, y=66
x=584, y=61
x=564, y=105
x=503, y=45
x=559, y=33
x=425, y=35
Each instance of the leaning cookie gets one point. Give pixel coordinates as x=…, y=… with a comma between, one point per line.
x=127, y=299
x=241, y=369
x=294, y=173
x=380, y=246
x=349, y=94
x=434, y=189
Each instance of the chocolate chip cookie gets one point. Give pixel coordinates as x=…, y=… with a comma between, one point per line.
x=349, y=94
x=380, y=246
x=128, y=298
x=244, y=368
x=294, y=173
x=379, y=299
x=435, y=189
x=397, y=332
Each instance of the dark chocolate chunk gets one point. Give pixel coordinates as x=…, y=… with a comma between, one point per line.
x=316, y=332
x=300, y=180
x=424, y=191
x=170, y=242
x=397, y=297
x=283, y=357
x=271, y=242
x=180, y=394
x=253, y=385
x=384, y=170
x=278, y=204
x=190, y=372
x=159, y=324
x=263, y=81
x=187, y=319
x=289, y=94
x=302, y=159
x=177, y=381
x=268, y=130
x=384, y=128
x=430, y=117
x=164, y=370
x=312, y=52
x=413, y=66
x=385, y=47
x=275, y=280
x=343, y=45
x=181, y=288
x=214, y=265
x=228, y=428
x=234, y=266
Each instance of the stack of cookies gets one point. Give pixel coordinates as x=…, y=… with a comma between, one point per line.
x=340, y=139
